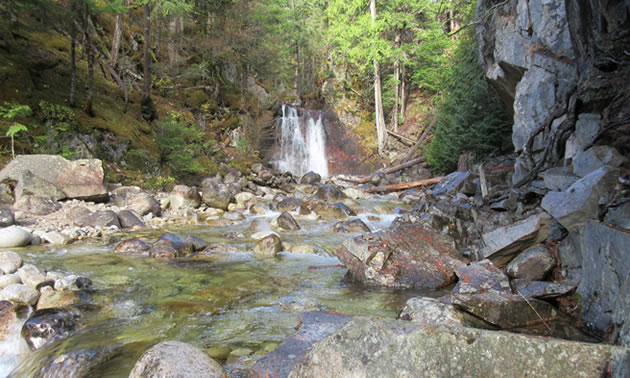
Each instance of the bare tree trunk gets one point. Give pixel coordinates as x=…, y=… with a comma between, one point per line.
x=116, y=40
x=397, y=86
x=148, y=109
x=73, y=60
x=381, y=133
x=171, y=46
x=90, y=57
x=403, y=93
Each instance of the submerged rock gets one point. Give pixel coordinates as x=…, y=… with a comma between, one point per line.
x=287, y=222
x=133, y=247
x=47, y=325
x=268, y=246
x=170, y=245
x=351, y=226
x=75, y=364
x=176, y=359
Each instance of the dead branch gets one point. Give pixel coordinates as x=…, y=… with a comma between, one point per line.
x=479, y=20
x=408, y=185
x=403, y=139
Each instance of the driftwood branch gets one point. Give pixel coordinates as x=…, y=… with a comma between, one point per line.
x=422, y=139
x=407, y=185
x=403, y=139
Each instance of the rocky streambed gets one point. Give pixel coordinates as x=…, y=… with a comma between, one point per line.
x=214, y=279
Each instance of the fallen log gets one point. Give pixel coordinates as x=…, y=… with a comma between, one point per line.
x=422, y=139
x=403, y=139
x=407, y=185
x=386, y=171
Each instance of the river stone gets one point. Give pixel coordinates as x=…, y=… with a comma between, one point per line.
x=33, y=278
x=75, y=364
x=288, y=204
x=218, y=248
x=581, y=200
x=334, y=211
x=47, y=325
x=408, y=349
x=595, y=158
x=481, y=276
x=183, y=196
x=533, y=264
x=405, y=256
x=215, y=194
x=8, y=318
x=502, y=244
x=14, y=236
x=260, y=225
x=287, y=222
x=310, y=178
x=144, y=203
x=133, y=247
x=311, y=328
x=7, y=267
x=11, y=257
x=351, y=226
x=9, y=279
x=303, y=249
x=171, y=246
x=268, y=246
x=505, y=310
x=431, y=312
x=355, y=194
x=52, y=299
x=258, y=209
x=128, y=219
x=198, y=244
x=329, y=193
x=19, y=294
x=28, y=206
x=78, y=179
x=83, y=217
x=243, y=198
x=541, y=289
x=73, y=282
x=56, y=237
x=176, y=359
x=6, y=217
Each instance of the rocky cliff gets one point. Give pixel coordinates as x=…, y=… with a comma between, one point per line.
x=562, y=69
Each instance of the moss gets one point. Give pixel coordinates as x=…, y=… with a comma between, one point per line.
x=196, y=98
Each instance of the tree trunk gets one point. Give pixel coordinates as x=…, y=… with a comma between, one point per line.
x=73, y=60
x=116, y=40
x=381, y=133
x=90, y=60
x=171, y=47
x=156, y=36
x=397, y=86
x=403, y=93
x=148, y=109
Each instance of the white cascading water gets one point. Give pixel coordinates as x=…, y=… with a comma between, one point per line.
x=302, y=152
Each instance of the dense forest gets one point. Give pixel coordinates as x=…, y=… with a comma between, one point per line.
x=165, y=90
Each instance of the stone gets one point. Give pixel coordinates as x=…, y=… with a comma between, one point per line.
x=451, y=183
x=198, y=244
x=243, y=198
x=355, y=194
x=19, y=294
x=288, y=204
x=6, y=195
x=144, y=203
x=33, y=278
x=14, y=236
x=541, y=289
x=325, y=210
x=502, y=244
x=329, y=192
x=6, y=217
x=73, y=282
x=432, y=312
x=8, y=318
x=53, y=299
x=479, y=277
x=121, y=195
x=11, y=257
x=8, y=267
x=9, y=279
x=351, y=226
x=303, y=249
x=218, y=248
x=534, y=264
x=256, y=168
x=29, y=206
x=311, y=328
x=75, y=364
x=586, y=129
x=183, y=196
x=56, y=237
x=580, y=201
x=408, y=349
x=287, y=222
x=620, y=316
x=558, y=179
x=133, y=247
x=128, y=219
x=215, y=194
x=505, y=310
x=258, y=209
x=83, y=217
x=48, y=325
x=619, y=216
x=310, y=178
x=595, y=158
x=176, y=359
x=268, y=246
x=404, y=256
x=171, y=246
x=64, y=179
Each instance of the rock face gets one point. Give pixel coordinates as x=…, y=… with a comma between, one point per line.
x=405, y=256
x=408, y=349
x=52, y=175
x=176, y=359
x=504, y=243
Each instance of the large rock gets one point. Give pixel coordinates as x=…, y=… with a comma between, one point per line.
x=74, y=364
x=287, y=222
x=11, y=257
x=176, y=359
x=19, y=294
x=558, y=178
x=405, y=256
x=451, y=183
x=367, y=347
x=129, y=219
x=144, y=203
x=310, y=178
x=52, y=175
x=215, y=194
x=351, y=226
x=14, y=236
x=502, y=244
x=431, y=312
x=47, y=325
x=133, y=247
x=540, y=289
x=33, y=278
x=268, y=246
x=534, y=264
x=171, y=246
x=183, y=196
x=312, y=327
x=596, y=157
x=481, y=276
x=288, y=204
x=329, y=192
x=83, y=217
x=29, y=206
x=581, y=200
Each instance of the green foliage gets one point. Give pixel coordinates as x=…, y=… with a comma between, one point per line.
x=59, y=118
x=12, y=111
x=471, y=118
x=182, y=145
x=15, y=129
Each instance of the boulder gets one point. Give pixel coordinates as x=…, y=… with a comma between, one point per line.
x=310, y=178
x=580, y=201
x=183, y=196
x=287, y=222
x=133, y=247
x=9, y=279
x=7, y=217
x=619, y=216
x=502, y=244
x=48, y=325
x=558, y=179
x=11, y=257
x=53, y=299
x=14, y=236
x=215, y=194
x=171, y=246
x=533, y=264
x=122, y=194
x=176, y=359
x=198, y=244
x=74, y=364
x=329, y=193
x=325, y=210
x=144, y=203
x=355, y=194
x=29, y=206
x=366, y=347
x=258, y=209
x=351, y=226
x=288, y=204
x=63, y=179
x=311, y=328
x=19, y=294
x=481, y=276
x=432, y=312
x=405, y=256
x=268, y=246
x=8, y=318
x=595, y=158
x=56, y=237
x=83, y=217
x=128, y=219
x=33, y=278
x=8, y=267
x=73, y=282
x=451, y=183
x=541, y=289
x=587, y=127
x=242, y=199
x=218, y=248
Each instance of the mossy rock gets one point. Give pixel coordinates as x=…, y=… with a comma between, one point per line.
x=196, y=98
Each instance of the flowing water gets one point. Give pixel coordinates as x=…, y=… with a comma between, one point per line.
x=302, y=143
x=234, y=306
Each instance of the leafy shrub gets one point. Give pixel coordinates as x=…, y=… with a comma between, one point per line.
x=471, y=118
x=181, y=144
x=60, y=118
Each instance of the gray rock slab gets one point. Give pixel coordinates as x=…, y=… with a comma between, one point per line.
x=596, y=157
x=533, y=264
x=504, y=243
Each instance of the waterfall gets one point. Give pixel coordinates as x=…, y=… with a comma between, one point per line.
x=301, y=150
